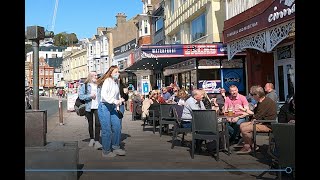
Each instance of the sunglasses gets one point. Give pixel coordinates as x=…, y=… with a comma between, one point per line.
x=252, y=94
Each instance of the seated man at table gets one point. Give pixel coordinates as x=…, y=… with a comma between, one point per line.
x=265, y=110
x=240, y=107
x=193, y=103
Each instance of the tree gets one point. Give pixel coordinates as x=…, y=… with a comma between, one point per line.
x=65, y=39
x=27, y=48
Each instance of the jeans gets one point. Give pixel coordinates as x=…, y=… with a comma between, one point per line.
x=234, y=128
x=186, y=124
x=110, y=127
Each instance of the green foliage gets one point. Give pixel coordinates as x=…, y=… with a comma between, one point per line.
x=65, y=39
x=27, y=48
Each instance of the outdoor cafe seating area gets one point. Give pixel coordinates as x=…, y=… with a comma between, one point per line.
x=210, y=126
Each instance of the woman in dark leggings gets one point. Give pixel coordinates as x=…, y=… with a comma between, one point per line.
x=90, y=93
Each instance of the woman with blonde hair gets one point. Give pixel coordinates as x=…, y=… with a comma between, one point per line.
x=108, y=115
x=90, y=93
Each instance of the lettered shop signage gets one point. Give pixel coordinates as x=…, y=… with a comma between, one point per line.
x=125, y=47
x=277, y=12
x=185, y=50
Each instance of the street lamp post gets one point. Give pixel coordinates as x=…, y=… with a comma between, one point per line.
x=35, y=34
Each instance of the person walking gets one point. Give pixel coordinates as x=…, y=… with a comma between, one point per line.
x=107, y=111
x=90, y=93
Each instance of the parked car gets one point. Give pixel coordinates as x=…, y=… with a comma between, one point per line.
x=41, y=91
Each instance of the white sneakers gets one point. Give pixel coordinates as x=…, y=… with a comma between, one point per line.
x=114, y=153
x=119, y=152
x=97, y=145
x=91, y=142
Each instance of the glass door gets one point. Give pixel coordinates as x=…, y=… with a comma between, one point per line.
x=285, y=79
x=285, y=71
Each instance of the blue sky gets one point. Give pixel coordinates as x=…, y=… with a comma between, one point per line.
x=81, y=17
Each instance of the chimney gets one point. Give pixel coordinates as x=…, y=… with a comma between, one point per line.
x=121, y=18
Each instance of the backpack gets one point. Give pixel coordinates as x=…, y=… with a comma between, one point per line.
x=80, y=105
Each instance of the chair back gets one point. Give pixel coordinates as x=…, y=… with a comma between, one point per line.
x=204, y=121
x=165, y=111
x=176, y=111
x=284, y=135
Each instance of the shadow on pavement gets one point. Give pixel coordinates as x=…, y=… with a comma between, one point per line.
x=79, y=173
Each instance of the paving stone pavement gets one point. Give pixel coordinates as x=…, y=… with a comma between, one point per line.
x=150, y=156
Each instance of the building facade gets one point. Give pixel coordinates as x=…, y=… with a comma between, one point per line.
x=193, y=21
x=98, y=52
x=266, y=32
x=46, y=76
x=75, y=65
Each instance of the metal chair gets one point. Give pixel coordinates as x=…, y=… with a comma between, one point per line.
x=255, y=133
x=152, y=117
x=284, y=135
x=205, y=127
x=178, y=128
x=164, y=116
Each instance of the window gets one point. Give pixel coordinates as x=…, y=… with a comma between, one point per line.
x=51, y=82
x=198, y=27
x=159, y=24
x=46, y=72
x=171, y=7
x=145, y=26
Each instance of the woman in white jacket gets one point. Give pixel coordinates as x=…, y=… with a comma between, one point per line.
x=107, y=111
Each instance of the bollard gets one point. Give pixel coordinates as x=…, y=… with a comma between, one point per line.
x=60, y=113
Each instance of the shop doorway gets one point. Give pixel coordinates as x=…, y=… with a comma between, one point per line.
x=285, y=78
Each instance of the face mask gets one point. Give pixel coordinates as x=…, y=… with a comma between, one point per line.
x=115, y=76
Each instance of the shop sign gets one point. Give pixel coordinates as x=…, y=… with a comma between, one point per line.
x=124, y=48
x=232, y=77
x=277, y=12
x=210, y=86
x=164, y=51
x=187, y=50
x=204, y=50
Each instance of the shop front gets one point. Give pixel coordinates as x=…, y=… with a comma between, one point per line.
x=266, y=32
x=210, y=74
x=122, y=56
x=191, y=66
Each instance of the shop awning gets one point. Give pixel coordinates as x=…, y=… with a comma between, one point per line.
x=160, y=56
x=155, y=63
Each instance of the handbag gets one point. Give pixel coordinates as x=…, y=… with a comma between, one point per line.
x=120, y=115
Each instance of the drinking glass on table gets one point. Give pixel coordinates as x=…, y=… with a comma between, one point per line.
x=230, y=111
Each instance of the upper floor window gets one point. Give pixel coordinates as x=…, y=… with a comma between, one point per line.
x=171, y=7
x=146, y=26
x=159, y=24
x=198, y=27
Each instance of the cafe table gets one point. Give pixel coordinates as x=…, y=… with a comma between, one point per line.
x=222, y=120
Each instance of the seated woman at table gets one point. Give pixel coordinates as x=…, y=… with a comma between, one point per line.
x=287, y=112
x=182, y=96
